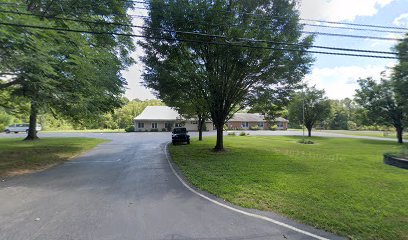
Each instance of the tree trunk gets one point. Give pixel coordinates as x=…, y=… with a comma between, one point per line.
x=399, y=134
x=32, y=130
x=219, y=146
x=201, y=122
x=309, y=131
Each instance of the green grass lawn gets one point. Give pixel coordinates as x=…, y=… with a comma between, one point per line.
x=17, y=156
x=382, y=134
x=337, y=184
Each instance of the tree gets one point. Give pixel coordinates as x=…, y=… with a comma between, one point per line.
x=400, y=73
x=382, y=104
x=210, y=43
x=75, y=75
x=310, y=107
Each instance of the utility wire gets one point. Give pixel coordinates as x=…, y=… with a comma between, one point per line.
x=302, y=19
x=202, y=34
x=193, y=41
x=308, y=32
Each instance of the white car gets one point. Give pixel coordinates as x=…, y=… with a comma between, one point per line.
x=20, y=127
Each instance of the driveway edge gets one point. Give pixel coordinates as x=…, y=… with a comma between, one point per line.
x=266, y=216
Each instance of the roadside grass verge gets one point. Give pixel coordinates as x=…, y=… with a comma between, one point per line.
x=86, y=131
x=337, y=184
x=17, y=156
x=380, y=134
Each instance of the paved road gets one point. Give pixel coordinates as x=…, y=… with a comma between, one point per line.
x=123, y=189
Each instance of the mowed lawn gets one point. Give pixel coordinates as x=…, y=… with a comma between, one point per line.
x=17, y=156
x=340, y=185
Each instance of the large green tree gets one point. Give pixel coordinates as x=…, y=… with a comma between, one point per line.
x=309, y=107
x=222, y=59
x=75, y=75
x=383, y=106
x=400, y=73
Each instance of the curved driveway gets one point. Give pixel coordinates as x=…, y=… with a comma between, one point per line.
x=123, y=189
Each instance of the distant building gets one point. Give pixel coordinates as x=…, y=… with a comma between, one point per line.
x=163, y=118
x=255, y=120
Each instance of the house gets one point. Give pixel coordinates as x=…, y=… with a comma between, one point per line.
x=246, y=121
x=163, y=118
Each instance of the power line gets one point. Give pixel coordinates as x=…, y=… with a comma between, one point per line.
x=194, y=41
x=307, y=32
x=302, y=19
x=204, y=34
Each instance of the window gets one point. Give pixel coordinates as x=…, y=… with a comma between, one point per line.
x=179, y=125
x=245, y=124
x=261, y=124
x=193, y=122
x=140, y=125
x=280, y=124
x=154, y=125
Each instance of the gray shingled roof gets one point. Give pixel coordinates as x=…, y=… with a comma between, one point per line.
x=168, y=113
x=158, y=113
x=247, y=117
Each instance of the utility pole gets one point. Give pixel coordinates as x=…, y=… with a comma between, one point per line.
x=303, y=110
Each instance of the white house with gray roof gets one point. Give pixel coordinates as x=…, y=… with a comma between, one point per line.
x=163, y=118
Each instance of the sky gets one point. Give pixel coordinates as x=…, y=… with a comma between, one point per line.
x=337, y=75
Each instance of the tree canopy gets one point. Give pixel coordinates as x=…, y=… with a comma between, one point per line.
x=381, y=103
x=309, y=107
x=211, y=49
x=76, y=75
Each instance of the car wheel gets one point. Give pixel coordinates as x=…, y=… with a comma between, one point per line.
x=16, y=132
x=7, y=131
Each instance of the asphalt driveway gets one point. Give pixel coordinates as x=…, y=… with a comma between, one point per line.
x=124, y=189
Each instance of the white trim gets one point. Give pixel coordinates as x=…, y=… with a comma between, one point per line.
x=238, y=210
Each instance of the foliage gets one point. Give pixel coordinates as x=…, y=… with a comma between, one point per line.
x=400, y=73
x=312, y=104
x=226, y=76
x=381, y=103
x=242, y=134
x=75, y=75
x=340, y=184
x=273, y=127
x=232, y=134
x=130, y=128
x=304, y=141
x=254, y=128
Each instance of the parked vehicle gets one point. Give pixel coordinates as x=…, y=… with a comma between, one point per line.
x=20, y=127
x=179, y=135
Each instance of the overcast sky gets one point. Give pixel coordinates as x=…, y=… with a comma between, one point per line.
x=336, y=74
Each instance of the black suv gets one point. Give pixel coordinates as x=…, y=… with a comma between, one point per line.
x=179, y=135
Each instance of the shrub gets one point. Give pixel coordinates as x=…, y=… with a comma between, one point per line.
x=351, y=125
x=305, y=142
x=164, y=129
x=154, y=130
x=254, y=128
x=242, y=134
x=273, y=127
x=130, y=128
x=231, y=134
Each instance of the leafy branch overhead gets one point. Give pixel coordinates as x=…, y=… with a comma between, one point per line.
x=221, y=75
x=76, y=75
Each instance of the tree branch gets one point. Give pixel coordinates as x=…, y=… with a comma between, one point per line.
x=8, y=84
